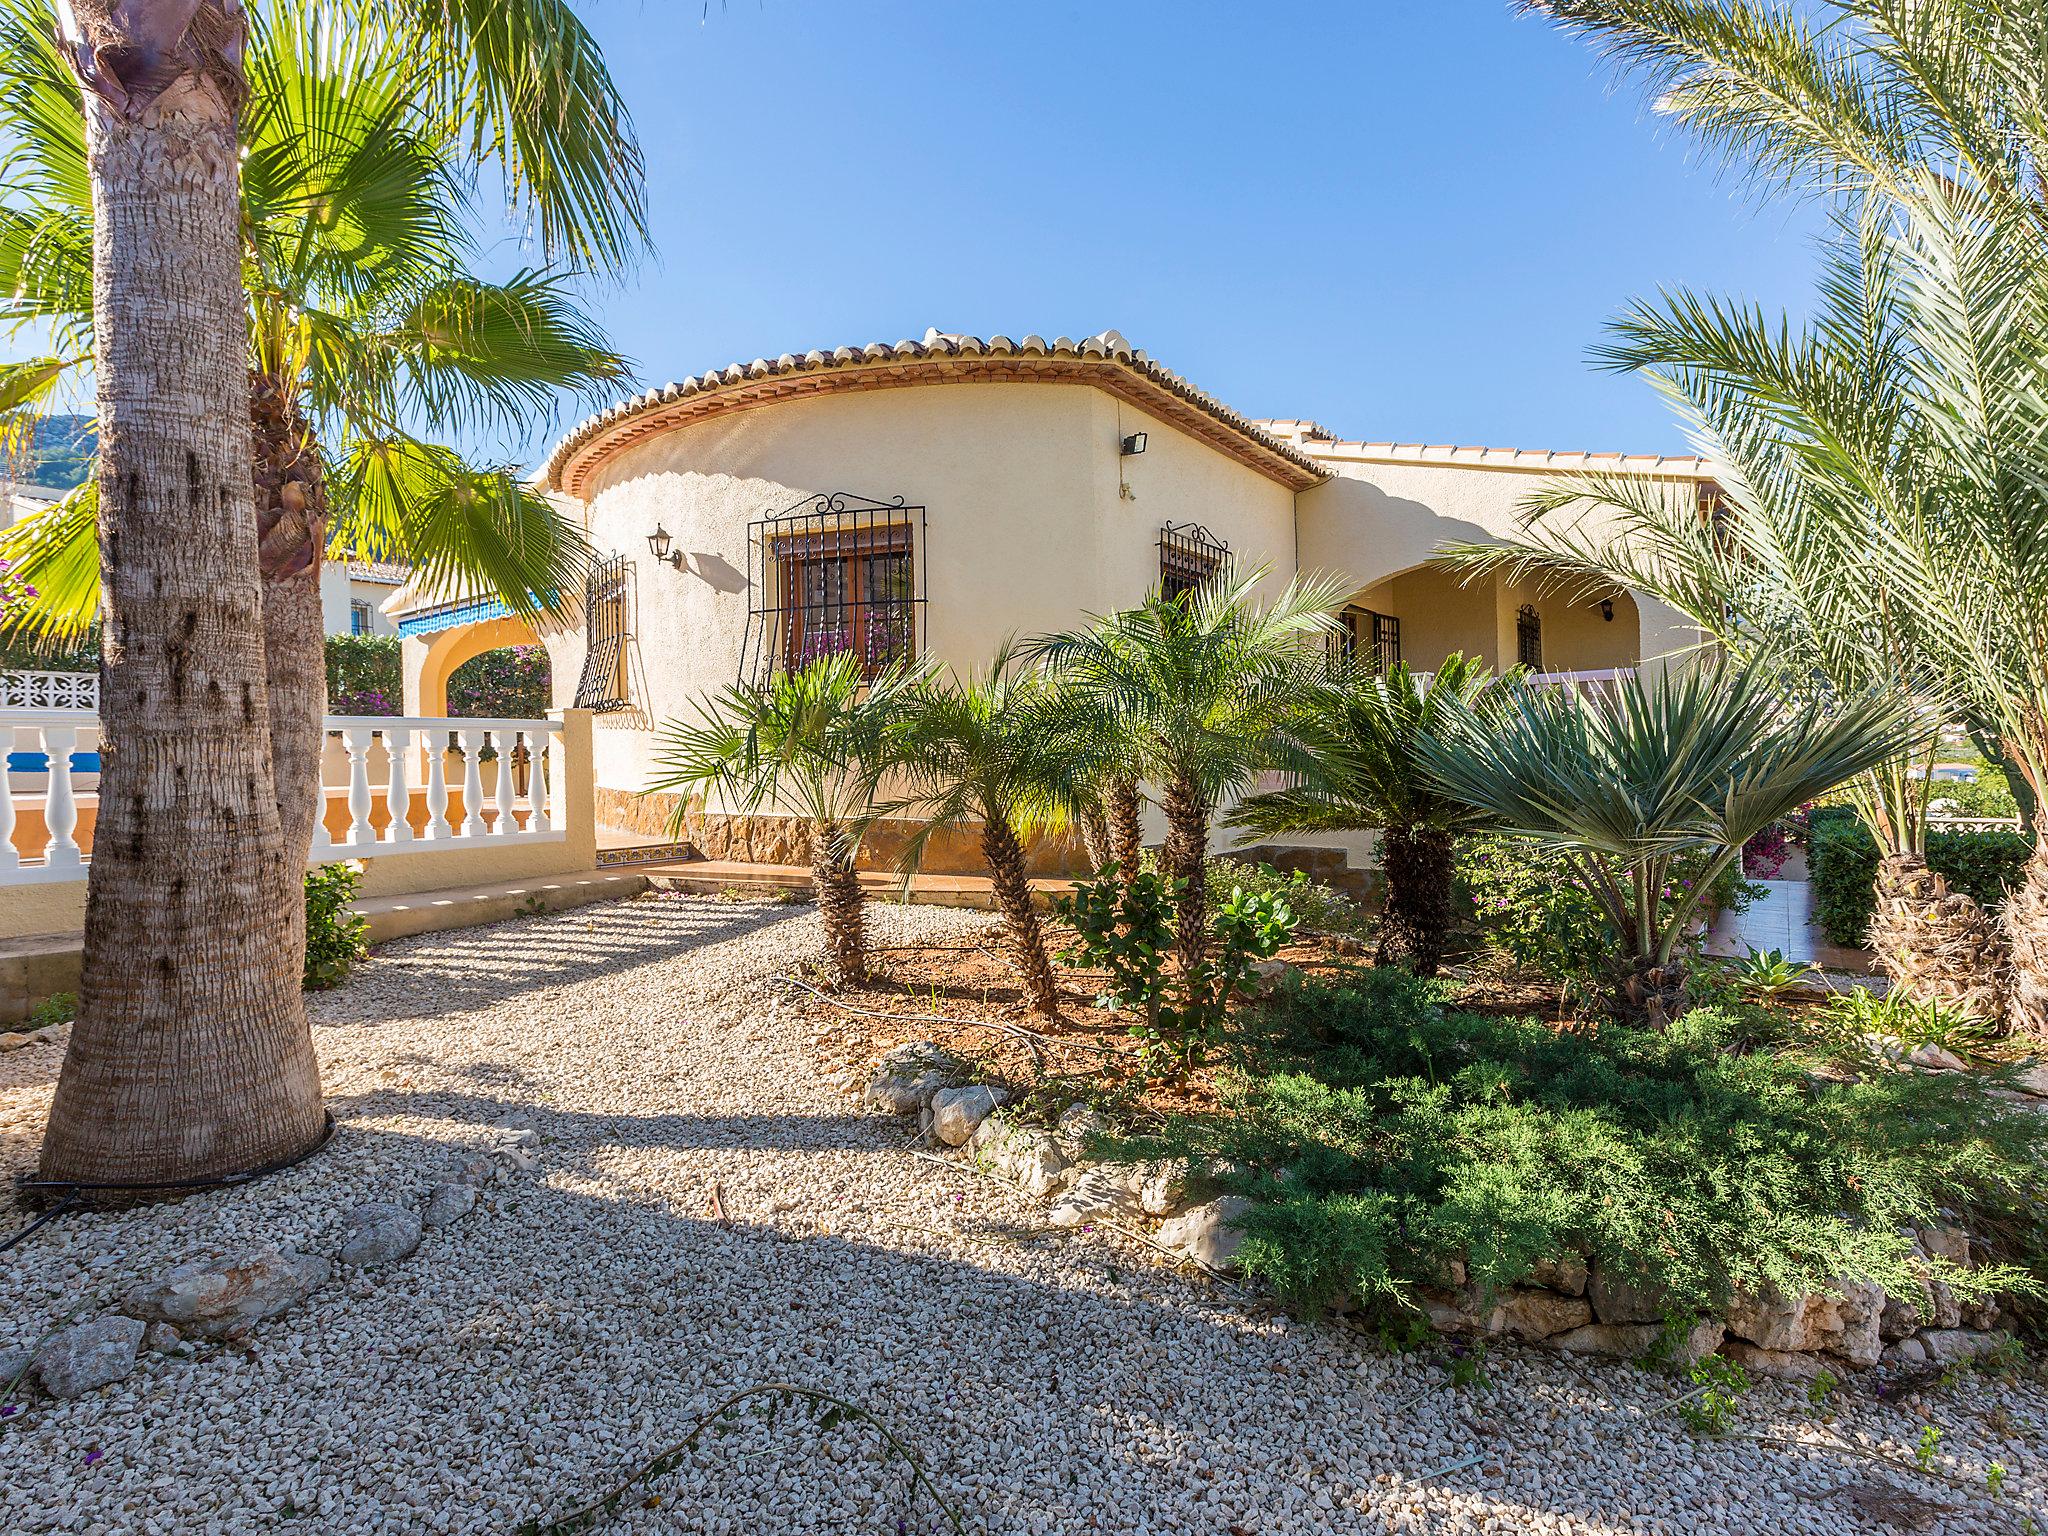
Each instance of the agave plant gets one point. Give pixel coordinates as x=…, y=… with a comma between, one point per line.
x=1365, y=733
x=980, y=751
x=1200, y=691
x=1622, y=783
x=814, y=742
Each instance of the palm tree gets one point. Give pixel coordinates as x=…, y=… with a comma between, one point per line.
x=121, y=232
x=1203, y=687
x=366, y=330
x=983, y=750
x=1931, y=121
x=814, y=742
x=1623, y=783
x=1814, y=441
x=1365, y=731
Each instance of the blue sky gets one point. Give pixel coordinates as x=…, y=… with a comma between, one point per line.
x=1405, y=220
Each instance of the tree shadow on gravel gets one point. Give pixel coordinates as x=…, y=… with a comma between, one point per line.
x=537, y=1352
x=470, y=969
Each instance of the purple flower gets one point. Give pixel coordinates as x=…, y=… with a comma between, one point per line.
x=93, y=1455
x=9, y=1410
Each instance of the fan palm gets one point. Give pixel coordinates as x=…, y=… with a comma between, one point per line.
x=1931, y=119
x=1365, y=731
x=1622, y=783
x=983, y=750
x=1203, y=689
x=126, y=152
x=814, y=742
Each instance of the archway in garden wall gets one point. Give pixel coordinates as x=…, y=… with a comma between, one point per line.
x=504, y=683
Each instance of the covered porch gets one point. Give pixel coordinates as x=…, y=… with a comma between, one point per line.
x=1423, y=615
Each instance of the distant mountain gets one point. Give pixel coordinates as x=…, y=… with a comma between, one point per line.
x=58, y=454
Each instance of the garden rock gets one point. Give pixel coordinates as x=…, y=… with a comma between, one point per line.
x=1161, y=1185
x=1208, y=1233
x=1270, y=975
x=448, y=1204
x=1846, y=1324
x=1077, y=1125
x=1616, y=1300
x=957, y=1113
x=1104, y=1190
x=15, y=1363
x=378, y=1233
x=1945, y=1346
x=1936, y=1058
x=1782, y=1364
x=1528, y=1314
x=1567, y=1275
x=2034, y=1081
x=1635, y=1341
x=88, y=1356
x=1026, y=1157
x=223, y=1295
x=163, y=1339
x=906, y=1077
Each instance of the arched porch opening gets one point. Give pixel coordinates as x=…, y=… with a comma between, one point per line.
x=1423, y=614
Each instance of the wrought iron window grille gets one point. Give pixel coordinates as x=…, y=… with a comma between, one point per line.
x=1529, y=638
x=1189, y=555
x=602, y=687
x=835, y=573
x=1368, y=639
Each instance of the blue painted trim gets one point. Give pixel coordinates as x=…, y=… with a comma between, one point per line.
x=454, y=615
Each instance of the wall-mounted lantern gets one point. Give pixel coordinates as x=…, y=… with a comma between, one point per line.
x=658, y=541
x=1134, y=445
x=1607, y=609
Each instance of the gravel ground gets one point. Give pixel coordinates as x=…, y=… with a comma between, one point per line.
x=588, y=1313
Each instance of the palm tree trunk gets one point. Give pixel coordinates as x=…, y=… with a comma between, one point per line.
x=1094, y=836
x=291, y=530
x=1005, y=857
x=190, y=1058
x=1185, y=859
x=1937, y=945
x=841, y=903
x=2026, y=932
x=1126, y=839
x=1420, y=873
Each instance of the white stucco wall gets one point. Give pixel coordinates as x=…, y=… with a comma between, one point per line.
x=1026, y=528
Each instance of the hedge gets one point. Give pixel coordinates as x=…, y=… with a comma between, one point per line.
x=365, y=675
x=1843, y=860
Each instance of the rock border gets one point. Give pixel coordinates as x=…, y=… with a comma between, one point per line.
x=218, y=1297
x=1572, y=1305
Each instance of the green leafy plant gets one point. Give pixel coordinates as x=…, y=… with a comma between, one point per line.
x=1765, y=975
x=365, y=675
x=1467, y=1365
x=1927, y=1446
x=1821, y=1388
x=1719, y=1384
x=57, y=1008
x=336, y=935
x=511, y=683
x=1857, y=1016
x=1320, y=908
x=1128, y=929
x=1994, y=1479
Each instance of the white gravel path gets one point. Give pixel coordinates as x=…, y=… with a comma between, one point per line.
x=586, y=1314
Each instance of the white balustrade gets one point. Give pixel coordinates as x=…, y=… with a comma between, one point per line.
x=50, y=690
x=49, y=782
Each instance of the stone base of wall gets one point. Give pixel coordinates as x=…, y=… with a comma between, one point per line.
x=787, y=839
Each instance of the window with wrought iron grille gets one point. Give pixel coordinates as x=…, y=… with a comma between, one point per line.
x=602, y=687
x=1189, y=555
x=1369, y=639
x=835, y=575
x=359, y=621
x=1529, y=638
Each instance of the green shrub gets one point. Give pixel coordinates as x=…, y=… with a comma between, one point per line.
x=1843, y=860
x=335, y=934
x=1532, y=907
x=1382, y=1136
x=1127, y=930
x=507, y=684
x=365, y=675
x=1319, y=908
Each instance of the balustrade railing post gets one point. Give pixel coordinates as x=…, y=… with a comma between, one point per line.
x=10, y=856
x=437, y=786
x=397, y=791
x=359, y=828
x=472, y=784
x=507, y=743
x=60, y=809
x=537, y=780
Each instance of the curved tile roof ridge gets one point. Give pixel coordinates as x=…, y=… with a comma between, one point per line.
x=1104, y=347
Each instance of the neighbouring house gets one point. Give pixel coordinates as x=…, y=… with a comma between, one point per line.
x=353, y=593
x=935, y=496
